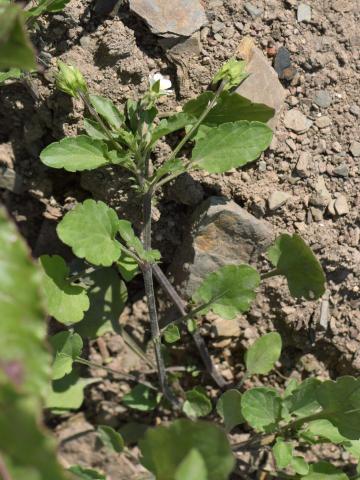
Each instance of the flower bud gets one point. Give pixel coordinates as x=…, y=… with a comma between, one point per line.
x=70, y=80
x=232, y=73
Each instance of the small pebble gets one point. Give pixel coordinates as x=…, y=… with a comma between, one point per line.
x=252, y=10
x=217, y=26
x=322, y=99
x=341, y=205
x=282, y=61
x=336, y=147
x=342, y=170
x=296, y=121
x=304, y=13
x=355, y=149
x=355, y=110
x=277, y=199
x=323, y=122
x=303, y=164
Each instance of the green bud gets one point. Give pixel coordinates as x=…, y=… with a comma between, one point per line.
x=70, y=80
x=232, y=73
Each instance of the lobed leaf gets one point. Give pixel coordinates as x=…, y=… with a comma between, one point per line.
x=231, y=145
x=64, y=301
x=90, y=230
x=231, y=289
x=76, y=154
x=296, y=261
x=67, y=347
x=164, y=449
x=229, y=409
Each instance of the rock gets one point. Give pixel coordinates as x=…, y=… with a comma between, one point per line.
x=252, y=10
x=304, y=13
x=10, y=180
x=222, y=233
x=317, y=214
x=7, y=156
x=342, y=170
x=355, y=110
x=355, y=149
x=322, y=197
x=217, y=26
x=336, y=147
x=226, y=328
x=263, y=85
x=277, y=199
x=296, y=121
x=282, y=61
x=323, y=122
x=186, y=190
x=303, y=164
x=171, y=17
x=341, y=205
x=104, y=7
x=323, y=99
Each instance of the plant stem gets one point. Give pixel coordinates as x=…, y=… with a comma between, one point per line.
x=190, y=134
x=199, y=341
x=150, y=294
x=296, y=424
x=270, y=274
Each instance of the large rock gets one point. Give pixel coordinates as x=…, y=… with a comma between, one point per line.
x=171, y=17
x=222, y=233
x=263, y=85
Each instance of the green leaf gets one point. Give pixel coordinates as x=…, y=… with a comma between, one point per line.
x=353, y=447
x=133, y=242
x=231, y=290
x=51, y=6
x=76, y=154
x=13, y=73
x=261, y=357
x=67, y=347
x=141, y=398
x=172, y=166
x=64, y=301
x=324, y=471
x=193, y=467
x=197, y=403
x=24, y=359
x=107, y=295
x=231, y=145
x=296, y=261
x=110, y=438
x=229, y=409
x=67, y=393
x=164, y=449
x=303, y=402
x=283, y=453
x=231, y=107
x=171, y=124
x=94, y=130
x=86, y=473
x=16, y=50
x=300, y=465
x=172, y=334
x=90, y=230
x=340, y=401
x=108, y=111
x=128, y=267
x=325, y=430
x=261, y=407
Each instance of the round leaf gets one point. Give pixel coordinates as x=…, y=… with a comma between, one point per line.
x=67, y=346
x=231, y=145
x=261, y=407
x=90, y=230
x=164, y=449
x=75, y=154
x=296, y=261
x=141, y=398
x=261, y=357
x=300, y=465
x=229, y=409
x=65, y=302
x=172, y=334
x=197, y=403
x=282, y=453
x=231, y=289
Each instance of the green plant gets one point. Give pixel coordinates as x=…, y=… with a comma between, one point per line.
x=223, y=131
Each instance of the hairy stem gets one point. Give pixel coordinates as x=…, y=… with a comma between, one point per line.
x=199, y=341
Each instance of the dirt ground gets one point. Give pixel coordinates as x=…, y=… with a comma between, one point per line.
x=117, y=54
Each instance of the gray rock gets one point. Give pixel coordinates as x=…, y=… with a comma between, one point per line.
x=304, y=13
x=263, y=85
x=217, y=26
x=355, y=110
x=296, y=121
x=226, y=328
x=282, y=61
x=323, y=99
x=341, y=205
x=252, y=10
x=10, y=180
x=355, y=149
x=186, y=190
x=342, y=170
x=222, y=233
x=323, y=122
x=171, y=17
x=316, y=214
x=277, y=199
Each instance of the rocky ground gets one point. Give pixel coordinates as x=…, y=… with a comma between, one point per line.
x=307, y=182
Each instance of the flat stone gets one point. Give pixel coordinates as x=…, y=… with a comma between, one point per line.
x=10, y=180
x=341, y=205
x=171, y=17
x=252, y=10
x=296, y=121
x=226, y=328
x=323, y=99
x=323, y=122
x=222, y=233
x=282, y=61
x=217, y=26
x=317, y=214
x=277, y=199
x=355, y=110
x=303, y=13
x=321, y=198
x=342, y=170
x=355, y=149
x=302, y=164
x=263, y=85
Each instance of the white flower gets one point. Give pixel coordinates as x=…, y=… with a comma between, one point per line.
x=165, y=84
